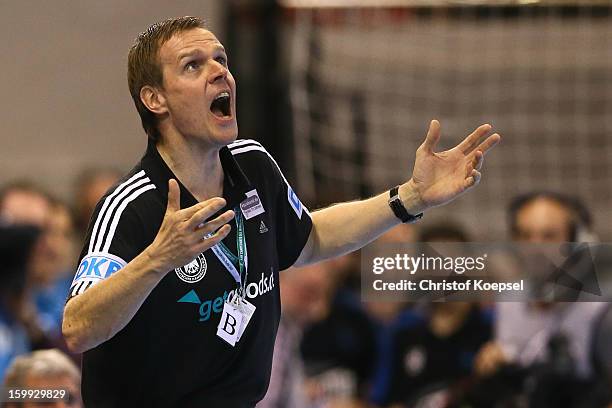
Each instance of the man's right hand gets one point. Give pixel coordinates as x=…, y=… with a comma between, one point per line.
x=99, y=313
x=181, y=237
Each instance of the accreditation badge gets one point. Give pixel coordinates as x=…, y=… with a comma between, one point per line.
x=230, y=323
x=247, y=310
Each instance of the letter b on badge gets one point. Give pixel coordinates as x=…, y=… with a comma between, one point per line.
x=230, y=322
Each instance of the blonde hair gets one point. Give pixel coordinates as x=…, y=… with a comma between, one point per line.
x=41, y=363
x=144, y=67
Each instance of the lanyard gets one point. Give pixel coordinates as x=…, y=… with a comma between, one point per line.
x=229, y=260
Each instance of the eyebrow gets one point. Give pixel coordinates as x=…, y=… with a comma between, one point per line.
x=198, y=51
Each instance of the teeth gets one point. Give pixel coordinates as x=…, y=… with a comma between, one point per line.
x=224, y=94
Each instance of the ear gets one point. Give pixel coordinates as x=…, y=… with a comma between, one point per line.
x=153, y=99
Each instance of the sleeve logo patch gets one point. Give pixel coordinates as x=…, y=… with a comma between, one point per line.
x=295, y=202
x=98, y=266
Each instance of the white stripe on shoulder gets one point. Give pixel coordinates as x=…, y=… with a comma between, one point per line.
x=77, y=289
x=245, y=149
x=87, y=286
x=109, y=213
x=243, y=142
x=107, y=202
x=113, y=227
x=82, y=286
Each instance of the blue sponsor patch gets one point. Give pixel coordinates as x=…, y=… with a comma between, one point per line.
x=98, y=266
x=295, y=202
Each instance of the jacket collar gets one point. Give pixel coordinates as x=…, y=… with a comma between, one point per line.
x=235, y=181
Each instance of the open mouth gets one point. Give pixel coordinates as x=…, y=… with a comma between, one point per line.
x=220, y=106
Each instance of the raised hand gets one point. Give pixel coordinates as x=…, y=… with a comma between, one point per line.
x=439, y=177
x=181, y=237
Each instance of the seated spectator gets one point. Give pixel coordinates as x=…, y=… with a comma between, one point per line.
x=602, y=358
x=383, y=313
x=54, y=269
x=543, y=351
x=23, y=203
x=305, y=296
x=50, y=268
x=432, y=351
x=16, y=245
x=429, y=349
x=45, y=369
x=339, y=351
x=90, y=186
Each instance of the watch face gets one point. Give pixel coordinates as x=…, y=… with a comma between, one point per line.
x=398, y=207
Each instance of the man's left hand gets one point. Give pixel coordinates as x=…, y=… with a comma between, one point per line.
x=440, y=177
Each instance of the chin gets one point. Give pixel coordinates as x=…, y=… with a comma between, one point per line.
x=225, y=136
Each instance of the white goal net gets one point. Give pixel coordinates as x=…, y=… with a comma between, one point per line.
x=367, y=77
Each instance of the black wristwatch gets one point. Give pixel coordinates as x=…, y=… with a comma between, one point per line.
x=398, y=207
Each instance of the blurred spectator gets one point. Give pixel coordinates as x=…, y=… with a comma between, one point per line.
x=23, y=203
x=384, y=312
x=429, y=349
x=350, y=266
x=54, y=268
x=45, y=369
x=602, y=353
x=432, y=351
x=305, y=296
x=47, y=275
x=543, y=351
x=90, y=187
x=16, y=245
x=339, y=350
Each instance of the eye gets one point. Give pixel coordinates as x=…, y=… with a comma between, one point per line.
x=221, y=60
x=192, y=66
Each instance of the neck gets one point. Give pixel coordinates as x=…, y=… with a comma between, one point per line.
x=197, y=166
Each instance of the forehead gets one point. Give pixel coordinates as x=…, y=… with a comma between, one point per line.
x=26, y=207
x=543, y=211
x=48, y=381
x=187, y=41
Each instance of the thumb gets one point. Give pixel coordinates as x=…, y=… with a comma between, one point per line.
x=174, y=196
x=433, y=135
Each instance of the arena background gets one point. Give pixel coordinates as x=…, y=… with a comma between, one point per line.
x=341, y=95
x=66, y=104
x=341, y=92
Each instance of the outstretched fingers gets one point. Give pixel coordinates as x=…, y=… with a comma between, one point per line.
x=205, y=228
x=214, y=239
x=202, y=210
x=489, y=143
x=469, y=143
x=475, y=164
x=197, y=215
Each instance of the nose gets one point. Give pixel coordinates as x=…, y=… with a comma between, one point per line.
x=219, y=72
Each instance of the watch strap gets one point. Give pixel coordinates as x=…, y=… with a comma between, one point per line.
x=398, y=207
